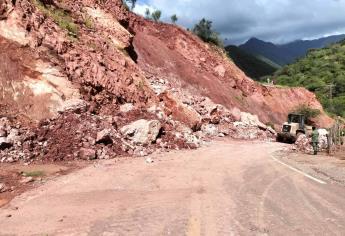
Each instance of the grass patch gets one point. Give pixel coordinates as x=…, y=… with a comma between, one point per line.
x=88, y=22
x=36, y=173
x=60, y=17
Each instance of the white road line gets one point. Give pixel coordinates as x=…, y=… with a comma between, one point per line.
x=298, y=171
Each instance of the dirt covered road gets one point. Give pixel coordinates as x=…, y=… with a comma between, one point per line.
x=226, y=188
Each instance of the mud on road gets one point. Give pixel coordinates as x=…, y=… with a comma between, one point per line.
x=18, y=178
x=226, y=188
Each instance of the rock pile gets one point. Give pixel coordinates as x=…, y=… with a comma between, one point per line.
x=304, y=144
x=105, y=104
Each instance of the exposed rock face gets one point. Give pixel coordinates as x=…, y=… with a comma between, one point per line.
x=171, y=52
x=142, y=131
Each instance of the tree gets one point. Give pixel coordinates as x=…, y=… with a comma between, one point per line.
x=204, y=30
x=147, y=13
x=156, y=15
x=174, y=18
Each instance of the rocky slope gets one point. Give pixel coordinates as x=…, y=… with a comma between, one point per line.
x=171, y=53
x=87, y=79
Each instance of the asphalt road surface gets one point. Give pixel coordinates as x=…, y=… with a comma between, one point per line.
x=227, y=188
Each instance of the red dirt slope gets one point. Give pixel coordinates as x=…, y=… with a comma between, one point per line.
x=169, y=52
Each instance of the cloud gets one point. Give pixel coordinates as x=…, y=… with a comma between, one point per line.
x=277, y=21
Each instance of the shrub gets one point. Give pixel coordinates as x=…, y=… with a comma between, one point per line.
x=60, y=17
x=308, y=112
x=204, y=31
x=156, y=15
x=174, y=18
x=147, y=13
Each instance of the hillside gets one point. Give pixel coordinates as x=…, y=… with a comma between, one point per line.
x=253, y=66
x=287, y=53
x=316, y=72
x=88, y=79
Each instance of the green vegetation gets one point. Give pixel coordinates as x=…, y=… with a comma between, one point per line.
x=60, y=17
x=254, y=66
x=322, y=71
x=88, y=22
x=309, y=113
x=156, y=15
x=147, y=13
x=37, y=173
x=174, y=19
x=204, y=30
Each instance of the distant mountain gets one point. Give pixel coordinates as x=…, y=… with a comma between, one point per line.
x=254, y=66
x=287, y=53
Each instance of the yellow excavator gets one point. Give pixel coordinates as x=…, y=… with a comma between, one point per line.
x=295, y=126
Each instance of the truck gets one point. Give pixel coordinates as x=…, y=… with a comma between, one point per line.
x=295, y=126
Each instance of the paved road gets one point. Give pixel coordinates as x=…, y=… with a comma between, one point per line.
x=228, y=188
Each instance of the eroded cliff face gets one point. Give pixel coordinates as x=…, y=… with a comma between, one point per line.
x=58, y=64
x=167, y=51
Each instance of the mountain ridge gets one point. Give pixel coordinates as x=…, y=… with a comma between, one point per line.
x=284, y=54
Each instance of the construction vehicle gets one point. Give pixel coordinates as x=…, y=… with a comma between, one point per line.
x=295, y=126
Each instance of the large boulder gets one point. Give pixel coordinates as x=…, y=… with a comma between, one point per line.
x=252, y=120
x=142, y=131
x=73, y=105
x=179, y=111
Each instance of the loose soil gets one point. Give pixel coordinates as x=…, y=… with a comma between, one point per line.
x=12, y=175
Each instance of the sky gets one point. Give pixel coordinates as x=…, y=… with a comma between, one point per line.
x=277, y=21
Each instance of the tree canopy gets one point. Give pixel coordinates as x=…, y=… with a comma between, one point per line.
x=174, y=18
x=322, y=71
x=156, y=15
x=204, y=30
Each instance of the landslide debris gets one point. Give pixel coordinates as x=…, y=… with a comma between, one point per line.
x=87, y=79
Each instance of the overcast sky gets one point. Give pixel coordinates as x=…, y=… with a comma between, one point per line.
x=278, y=21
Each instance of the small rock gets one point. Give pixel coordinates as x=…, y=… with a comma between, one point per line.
x=236, y=114
x=220, y=70
x=27, y=180
x=126, y=107
x=149, y=160
x=104, y=136
x=3, y=132
x=13, y=136
x=87, y=154
x=210, y=129
x=9, y=215
x=3, y=188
